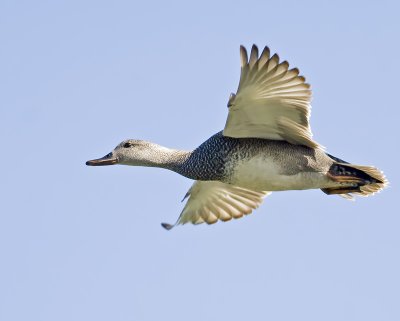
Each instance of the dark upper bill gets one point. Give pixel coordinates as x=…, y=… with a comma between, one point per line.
x=109, y=159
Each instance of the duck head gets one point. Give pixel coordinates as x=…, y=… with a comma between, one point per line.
x=133, y=152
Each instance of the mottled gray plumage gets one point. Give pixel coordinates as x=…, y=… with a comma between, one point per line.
x=217, y=157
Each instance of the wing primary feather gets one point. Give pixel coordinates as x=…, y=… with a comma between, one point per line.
x=243, y=56
x=253, y=56
x=272, y=62
x=275, y=73
x=263, y=57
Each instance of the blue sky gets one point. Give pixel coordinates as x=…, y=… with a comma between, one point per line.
x=80, y=243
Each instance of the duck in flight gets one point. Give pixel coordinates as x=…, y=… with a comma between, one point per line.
x=266, y=146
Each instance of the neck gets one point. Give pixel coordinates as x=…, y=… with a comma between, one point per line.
x=172, y=159
x=159, y=156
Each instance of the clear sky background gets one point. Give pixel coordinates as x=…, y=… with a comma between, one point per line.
x=80, y=243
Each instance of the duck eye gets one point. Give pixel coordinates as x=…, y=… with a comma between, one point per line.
x=127, y=145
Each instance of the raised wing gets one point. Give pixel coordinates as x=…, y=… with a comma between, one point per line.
x=272, y=102
x=210, y=201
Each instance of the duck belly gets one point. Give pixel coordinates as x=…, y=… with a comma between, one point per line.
x=264, y=174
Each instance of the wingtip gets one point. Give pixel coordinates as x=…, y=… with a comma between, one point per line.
x=253, y=56
x=243, y=56
x=254, y=51
x=275, y=57
x=264, y=57
x=266, y=50
x=285, y=63
x=167, y=226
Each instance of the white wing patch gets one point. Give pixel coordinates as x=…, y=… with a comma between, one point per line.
x=210, y=201
x=272, y=102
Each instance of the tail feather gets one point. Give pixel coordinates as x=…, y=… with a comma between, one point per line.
x=365, y=180
x=378, y=183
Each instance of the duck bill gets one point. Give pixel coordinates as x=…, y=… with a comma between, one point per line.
x=106, y=160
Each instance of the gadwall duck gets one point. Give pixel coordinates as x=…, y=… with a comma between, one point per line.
x=266, y=146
